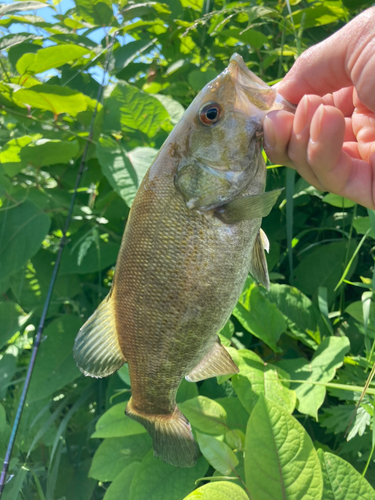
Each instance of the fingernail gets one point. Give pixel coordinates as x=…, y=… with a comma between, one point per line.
x=316, y=123
x=269, y=134
x=301, y=116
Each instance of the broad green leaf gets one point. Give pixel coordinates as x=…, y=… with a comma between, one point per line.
x=337, y=201
x=342, y=481
x=94, y=259
x=114, y=454
x=186, y=391
x=260, y=317
x=221, y=490
x=50, y=57
x=19, y=153
x=249, y=36
x=125, y=54
x=120, y=487
x=205, y=414
x=328, y=264
x=362, y=225
x=322, y=368
x=96, y=12
x=10, y=154
x=280, y=459
x=302, y=316
x=79, y=487
x=55, y=366
x=217, y=453
x=11, y=320
x=22, y=230
x=8, y=368
x=52, y=98
x=319, y=15
x=19, y=6
x=237, y=416
x=198, y=79
x=256, y=378
x=11, y=40
x=123, y=170
x=174, y=108
x=30, y=285
x=157, y=480
x=114, y=423
x=129, y=109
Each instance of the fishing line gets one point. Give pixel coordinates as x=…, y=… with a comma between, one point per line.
x=38, y=336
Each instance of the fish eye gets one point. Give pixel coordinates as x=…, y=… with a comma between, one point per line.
x=209, y=113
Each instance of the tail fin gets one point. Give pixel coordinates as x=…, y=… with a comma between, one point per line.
x=172, y=437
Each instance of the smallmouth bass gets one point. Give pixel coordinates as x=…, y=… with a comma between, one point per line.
x=192, y=236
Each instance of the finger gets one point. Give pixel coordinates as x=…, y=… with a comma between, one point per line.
x=344, y=59
x=297, y=149
x=351, y=149
x=342, y=99
x=349, y=134
x=333, y=167
x=277, y=128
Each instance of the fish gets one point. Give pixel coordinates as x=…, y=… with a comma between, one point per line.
x=192, y=236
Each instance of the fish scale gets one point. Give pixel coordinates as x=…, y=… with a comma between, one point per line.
x=192, y=235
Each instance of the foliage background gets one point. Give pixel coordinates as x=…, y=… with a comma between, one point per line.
x=305, y=348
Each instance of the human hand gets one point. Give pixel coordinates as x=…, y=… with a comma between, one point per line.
x=331, y=138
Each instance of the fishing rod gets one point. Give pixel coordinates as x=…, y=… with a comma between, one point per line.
x=38, y=336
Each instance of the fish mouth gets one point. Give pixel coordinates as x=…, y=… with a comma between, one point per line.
x=253, y=95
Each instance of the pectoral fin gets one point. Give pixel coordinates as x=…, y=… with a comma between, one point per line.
x=216, y=362
x=258, y=265
x=96, y=349
x=248, y=207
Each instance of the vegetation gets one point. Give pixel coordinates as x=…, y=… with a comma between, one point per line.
x=305, y=349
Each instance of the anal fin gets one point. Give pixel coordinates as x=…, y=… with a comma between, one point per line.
x=258, y=264
x=96, y=349
x=216, y=362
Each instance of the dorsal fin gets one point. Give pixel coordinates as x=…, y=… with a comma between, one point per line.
x=96, y=349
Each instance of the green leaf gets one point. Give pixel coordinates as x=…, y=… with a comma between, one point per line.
x=114, y=454
x=52, y=98
x=174, y=108
x=301, y=315
x=22, y=230
x=198, y=79
x=280, y=459
x=129, y=109
x=19, y=153
x=8, y=368
x=205, y=414
x=328, y=264
x=221, y=490
x=260, y=317
x=256, y=378
x=123, y=170
x=362, y=225
x=217, y=453
x=94, y=259
x=157, y=480
x=55, y=366
x=11, y=40
x=114, y=423
x=249, y=36
x=21, y=6
x=96, y=12
x=322, y=368
x=342, y=481
x=11, y=320
x=337, y=201
x=120, y=487
x=50, y=57
x=125, y=54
